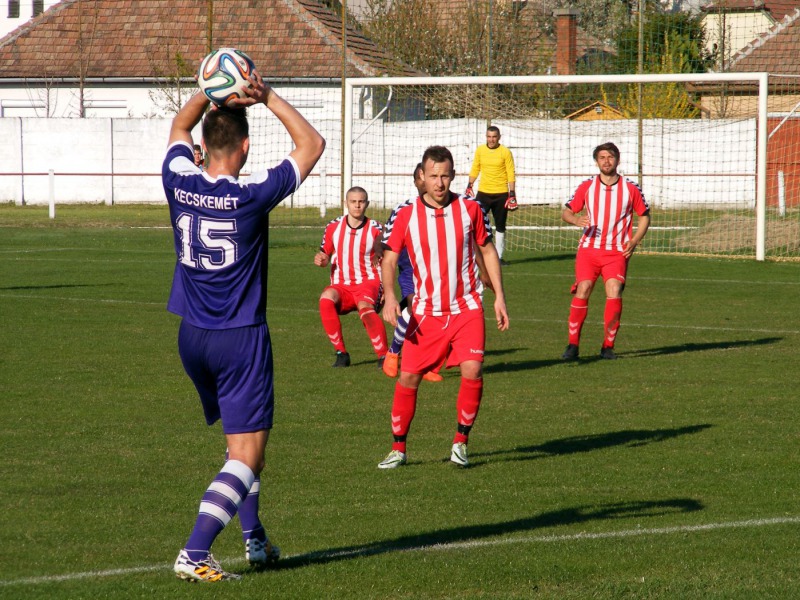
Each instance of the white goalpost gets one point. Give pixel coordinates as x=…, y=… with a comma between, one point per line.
x=699, y=150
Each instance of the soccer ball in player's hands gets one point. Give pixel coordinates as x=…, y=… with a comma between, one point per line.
x=223, y=75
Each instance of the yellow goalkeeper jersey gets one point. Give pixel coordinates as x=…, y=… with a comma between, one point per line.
x=496, y=168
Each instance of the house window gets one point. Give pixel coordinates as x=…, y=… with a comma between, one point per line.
x=13, y=9
x=38, y=7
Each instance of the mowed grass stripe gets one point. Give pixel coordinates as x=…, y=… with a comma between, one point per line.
x=452, y=546
x=489, y=318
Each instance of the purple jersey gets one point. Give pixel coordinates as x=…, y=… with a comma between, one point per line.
x=218, y=226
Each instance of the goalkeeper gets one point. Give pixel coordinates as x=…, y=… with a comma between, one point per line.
x=495, y=165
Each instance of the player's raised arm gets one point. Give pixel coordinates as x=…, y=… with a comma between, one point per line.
x=187, y=118
x=309, y=144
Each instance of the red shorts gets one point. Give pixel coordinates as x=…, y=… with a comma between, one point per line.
x=591, y=263
x=351, y=295
x=430, y=339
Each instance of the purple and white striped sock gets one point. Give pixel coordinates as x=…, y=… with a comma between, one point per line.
x=219, y=504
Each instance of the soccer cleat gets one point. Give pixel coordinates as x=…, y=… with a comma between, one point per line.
x=260, y=553
x=390, y=364
x=394, y=459
x=459, y=455
x=207, y=569
x=607, y=353
x=431, y=376
x=571, y=353
x=342, y=359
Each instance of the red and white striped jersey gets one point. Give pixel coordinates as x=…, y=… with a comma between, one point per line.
x=351, y=250
x=441, y=247
x=610, y=209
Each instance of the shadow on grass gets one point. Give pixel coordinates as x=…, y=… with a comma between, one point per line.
x=663, y=351
x=633, y=438
x=692, y=347
x=474, y=533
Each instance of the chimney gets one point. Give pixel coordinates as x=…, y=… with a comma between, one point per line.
x=566, y=40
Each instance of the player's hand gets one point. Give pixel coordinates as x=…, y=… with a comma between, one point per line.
x=511, y=202
x=391, y=310
x=583, y=221
x=321, y=259
x=258, y=92
x=629, y=248
x=502, y=315
x=468, y=192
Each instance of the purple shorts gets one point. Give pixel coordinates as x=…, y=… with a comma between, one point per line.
x=405, y=276
x=232, y=371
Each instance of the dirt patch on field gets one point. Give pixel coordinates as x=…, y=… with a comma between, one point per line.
x=731, y=233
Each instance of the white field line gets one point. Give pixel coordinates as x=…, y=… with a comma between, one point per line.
x=489, y=318
x=470, y=544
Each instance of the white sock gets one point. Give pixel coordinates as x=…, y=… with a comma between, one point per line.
x=500, y=242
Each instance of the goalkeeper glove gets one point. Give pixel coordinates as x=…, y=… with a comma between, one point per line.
x=468, y=192
x=511, y=203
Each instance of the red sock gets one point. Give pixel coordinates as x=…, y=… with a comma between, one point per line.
x=376, y=330
x=467, y=405
x=577, y=315
x=331, y=323
x=611, y=321
x=404, y=406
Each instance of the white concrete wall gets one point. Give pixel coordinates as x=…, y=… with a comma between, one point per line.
x=685, y=163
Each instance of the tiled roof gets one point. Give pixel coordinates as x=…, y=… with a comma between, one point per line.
x=778, y=9
x=140, y=39
x=776, y=51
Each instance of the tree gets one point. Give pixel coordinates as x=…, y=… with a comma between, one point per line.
x=172, y=93
x=679, y=34
x=659, y=100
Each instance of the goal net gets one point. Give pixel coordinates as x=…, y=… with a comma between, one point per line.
x=697, y=144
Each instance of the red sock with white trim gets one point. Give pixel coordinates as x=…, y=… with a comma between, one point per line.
x=331, y=323
x=376, y=330
x=470, y=393
x=404, y=405
x=578, y=309
x=611, y=318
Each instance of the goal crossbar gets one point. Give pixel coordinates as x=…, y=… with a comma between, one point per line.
x=759, y=79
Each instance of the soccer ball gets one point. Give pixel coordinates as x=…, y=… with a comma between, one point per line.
x=223, y=75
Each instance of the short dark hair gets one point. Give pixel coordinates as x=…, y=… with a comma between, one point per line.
x=225, y=128
x=437, y=154
x=358, y=188
x=494, y=128
x=608, y=147
x=417, y=169
x=198, y=148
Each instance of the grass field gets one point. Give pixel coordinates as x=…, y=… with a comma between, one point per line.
x=670, y=473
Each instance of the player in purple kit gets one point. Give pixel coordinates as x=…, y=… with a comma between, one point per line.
x=218, y=290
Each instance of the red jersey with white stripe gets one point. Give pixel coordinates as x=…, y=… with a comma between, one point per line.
x=610, y=209
x=351, y=250
x=441, y=247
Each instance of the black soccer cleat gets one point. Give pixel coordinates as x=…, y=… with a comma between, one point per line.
x=607, y=353
x=571, y=353
x=342, y=359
